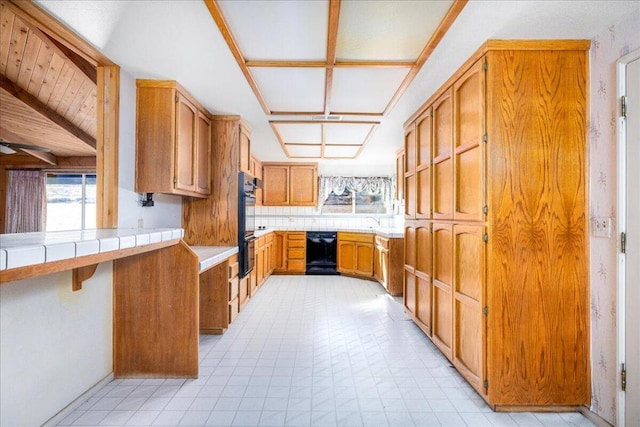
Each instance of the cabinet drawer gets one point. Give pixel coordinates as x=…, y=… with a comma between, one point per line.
x=356, y=237
x=296, y=243
x=381, y=241
x=296, y=253
x=233, y=310
x=292, y=235
x=234, y=286
x=296, y=265
x=233, y=270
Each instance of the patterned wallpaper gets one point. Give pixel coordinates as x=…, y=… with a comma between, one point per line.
x=608, y=46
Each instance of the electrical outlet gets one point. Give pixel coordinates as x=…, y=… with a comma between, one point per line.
x=601, y=227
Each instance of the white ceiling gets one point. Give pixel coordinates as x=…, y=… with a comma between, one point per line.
x=179, y=40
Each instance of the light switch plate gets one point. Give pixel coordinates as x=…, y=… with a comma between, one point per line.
x=601, y=226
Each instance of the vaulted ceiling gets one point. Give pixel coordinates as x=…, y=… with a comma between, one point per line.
x=47, y=92
x=180, y=40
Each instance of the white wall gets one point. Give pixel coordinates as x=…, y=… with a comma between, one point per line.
x=167, y=211
x=55, y=344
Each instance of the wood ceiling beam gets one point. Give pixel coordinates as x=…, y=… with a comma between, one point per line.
x=42, y=155
x=366, y=140
x=13, y=161
x=280, y=139
x=287, y=64
x=431, y=45
x=78, y=62
x=317, y=122
x=332, y=40
x=45, y=111
x=217, y=16
x=324, y=64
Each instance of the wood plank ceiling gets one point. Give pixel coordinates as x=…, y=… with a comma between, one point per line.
x=337, y=67
x=47, y=92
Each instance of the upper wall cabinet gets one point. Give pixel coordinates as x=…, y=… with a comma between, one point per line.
x=173, y=141
x=290, y=184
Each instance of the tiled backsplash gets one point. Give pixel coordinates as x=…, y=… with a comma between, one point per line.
x=310, y=218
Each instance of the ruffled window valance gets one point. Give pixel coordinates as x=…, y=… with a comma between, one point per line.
x=373, y=185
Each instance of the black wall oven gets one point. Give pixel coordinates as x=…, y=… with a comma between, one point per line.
x=246, y=222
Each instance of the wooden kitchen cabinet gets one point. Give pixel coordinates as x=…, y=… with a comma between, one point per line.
x=290, y=184
x=508, y=155
x=399, y=195
x=245, y=150
x=410, y=172
x=355, y=254
x=389, y=263
x=290, y=252
x=173, y=141
x=256, y=171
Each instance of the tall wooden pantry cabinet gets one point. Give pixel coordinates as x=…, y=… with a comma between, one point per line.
x=496, y=254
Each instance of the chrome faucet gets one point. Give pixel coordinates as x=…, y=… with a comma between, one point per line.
x=377, y=220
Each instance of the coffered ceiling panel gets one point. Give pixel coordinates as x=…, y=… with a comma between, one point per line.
x=366, y=90
x=300, y=132
x=305, y=151
x=341, y=151
x=291, y=89
x=387, y=30
x=279, y=30
x=346, y=133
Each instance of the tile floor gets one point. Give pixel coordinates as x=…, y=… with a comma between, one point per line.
x=311, y=351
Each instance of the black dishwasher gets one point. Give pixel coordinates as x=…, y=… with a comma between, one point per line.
x=321, y=252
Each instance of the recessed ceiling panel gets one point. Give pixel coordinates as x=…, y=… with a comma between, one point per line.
x=366, y=90
x=387, y=30
x=311, y=151
x=291, y=89
x=340, y=151
x=346, y=133
x=301, y=133
x=279, y=30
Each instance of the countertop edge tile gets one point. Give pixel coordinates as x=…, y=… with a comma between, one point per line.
x=25, y=256
x=59, y=251
x=3, y=259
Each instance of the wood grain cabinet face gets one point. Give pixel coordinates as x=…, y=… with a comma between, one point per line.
x=409, y=268
x=400, y=174
x=410, y=173
x=423, y=168
x=442, y=158
x=173, y=141
x=469, y=147
x=290, y=184
x=355, y=254
x=468, y=301
x=245, y=151
x=423, y=273
x=442, y=280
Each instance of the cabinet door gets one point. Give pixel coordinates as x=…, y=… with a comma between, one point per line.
x=377, y=263
x=400, y=175
x=279, y=256
x=203, y=154
x=423, y=167
x=442, y=279
x=442, y=159
x=409, y=291
x=468, y=289
x=275, y=191
x=303, y=182
x=260, y=264
x=364, y=259
x=185, y=149
x=409, y=173
x=468, y=144
x=346, y=256
x=423, y=275
x=245, y=150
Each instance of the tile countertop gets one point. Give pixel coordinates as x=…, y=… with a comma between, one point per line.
x=208, y=256
x=388, y=232
x=25, y=249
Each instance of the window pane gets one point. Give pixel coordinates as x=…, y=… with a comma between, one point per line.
x=90, y=202
x=64, y=201
x=370, y=203
x=338, y=203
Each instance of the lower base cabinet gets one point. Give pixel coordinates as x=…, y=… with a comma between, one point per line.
x=290, y=252
x=355, y=254
x=388, y=263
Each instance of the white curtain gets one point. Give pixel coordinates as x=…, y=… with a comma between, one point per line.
x=373, y=185
x=26, y=201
